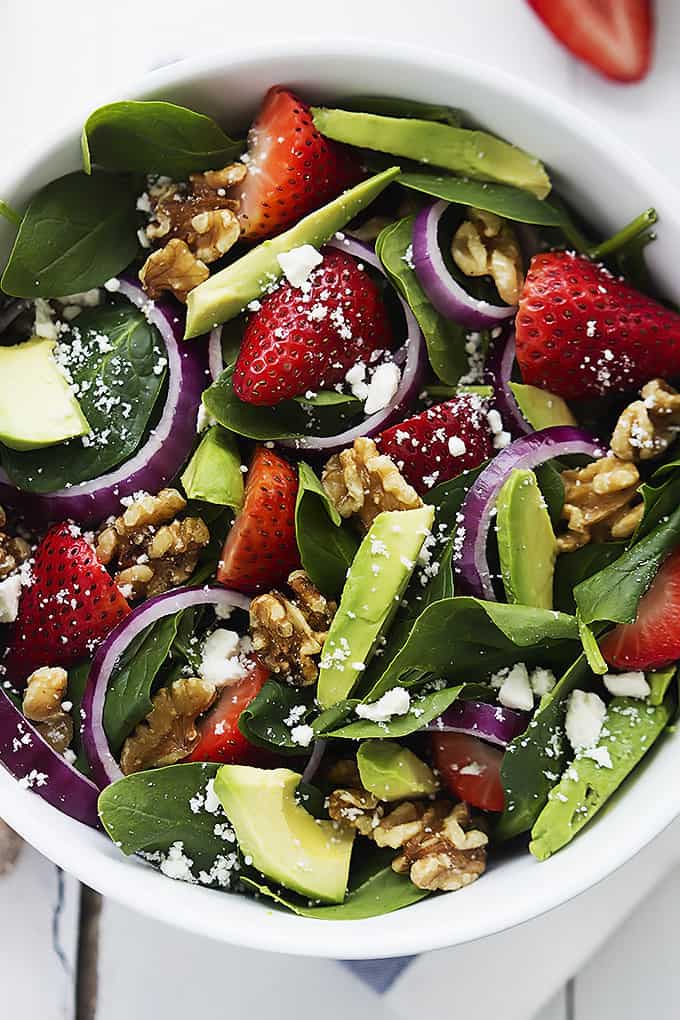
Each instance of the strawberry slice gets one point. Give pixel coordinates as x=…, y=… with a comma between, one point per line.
x=582, y=332
x=470, y=769
x=260, y=550
x=220, y=739
x=613, y=36
x=292, y=169
x=307, y=339
x=441, y=442
x=70, y=606
x=653, y=639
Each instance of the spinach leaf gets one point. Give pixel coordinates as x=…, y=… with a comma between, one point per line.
x=659, y=681
x=552, y=489
x=10, y=214
x=535, y=760
x=447, y=497
x=503, y=199
x=115, y=360
x=128, y=698
x=591, y=648
x=263, y=721
x=445, y=339
x=149, y=811
x=619, y=241
x=208, y=558
x=422, y=711
x=464, y=638
x=77, y=681
x=331, y=717
x=327, y=545
x=77, y=232
x=214, y=472
x=391, y=106
x=574, y=567
x=155, y=137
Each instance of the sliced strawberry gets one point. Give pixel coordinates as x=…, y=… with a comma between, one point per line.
x=70, y=606
x=260, y=550
x=307, y=339
x=582, y=332
x=653, y=639
x=470, y=769
x=613, y=36
x=292, y=169
x=441, y=442
x=220, y=739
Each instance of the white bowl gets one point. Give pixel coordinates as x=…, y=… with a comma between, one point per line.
x=608, y=184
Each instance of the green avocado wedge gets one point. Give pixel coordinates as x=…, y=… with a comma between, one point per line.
x=213, y=475
x=375, y=584
x=526, y=542
x=630, y=728
x=285, y=842
x=474, y=154
x=226, y=294
x=392, y=772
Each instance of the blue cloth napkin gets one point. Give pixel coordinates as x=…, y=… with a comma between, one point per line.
x=379, y=975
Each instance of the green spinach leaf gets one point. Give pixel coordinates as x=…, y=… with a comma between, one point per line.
x=10, y=214
x=77, y=232
x=327, y=545
x=116, y=362
x=214, y=474
x=391, y=106
x=552, y=489
x=155, y=137
x=591, y=648
x=422, y=711
x=263, y=721
x=574, y=567
x=502, y=199
x=77, y=681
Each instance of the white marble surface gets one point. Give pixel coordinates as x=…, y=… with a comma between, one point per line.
x=58, y=60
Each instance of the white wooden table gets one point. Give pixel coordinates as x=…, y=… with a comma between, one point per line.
x=64, y=955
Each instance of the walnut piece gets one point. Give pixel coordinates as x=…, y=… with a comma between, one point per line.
x=153, y=551
x=45, y=690
x=357, y=809
x=647, y=427
x=169, y=733
x=600, y=502
x=485, y=245
x=288, y=633
x=175, y=268
x=363, y=482
x=14, y=550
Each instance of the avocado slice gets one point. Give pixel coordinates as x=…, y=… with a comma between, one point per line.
x=541, y=408
x=37, y=405
x=392, y=772
x=474, y=154
x=375, y=584
x=286, y=843
x=629, y=730
x=226, y=294
x=526, y=542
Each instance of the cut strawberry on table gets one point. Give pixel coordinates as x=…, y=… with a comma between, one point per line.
x=260, y=550
x=220, y=739
x=292, y=169
x=70, y=606
x=582, y=332
x=653, y=639
x=307, y=339
x=613, y=36
x=441, y=442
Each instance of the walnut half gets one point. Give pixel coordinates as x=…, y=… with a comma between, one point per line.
x=600, y=502
x=13, y=550
x=363, y=482
x=45, y=691
x=485, y=245
x=168, y=734
x=174, y=268
x=647, y=427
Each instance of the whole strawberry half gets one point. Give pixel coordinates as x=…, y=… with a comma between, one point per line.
x=220, y=739
x=70, y=607
x=292, y=169
x=441, y=442
x=307, y=339
x=260, y=550
x=582, y=332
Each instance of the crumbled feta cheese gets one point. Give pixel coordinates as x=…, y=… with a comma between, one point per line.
x=621, y=685
x=585, y=716
x=204, y=419
x=220, y=663
x=356, y=380
x=44, y=325
x=542, y=681
x=456, y=446
x=394, y=702
x=10, y=590
x=177, y=864
x=382, y=387
x=112, y=285
x=473, y=768
x=302, y=735
x=85, y=299
x=212, y=803
x=495, y=421
x=501, y=440
x=600, y=755
x=298, y=263
x=515, y=691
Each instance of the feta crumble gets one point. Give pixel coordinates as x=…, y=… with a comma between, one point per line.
x=515, y=691
x=621, y=685
x=382, y=387
x=394, y=702
x=220, y=659
x=10, y=590
x=585, y=716
x=298, y=263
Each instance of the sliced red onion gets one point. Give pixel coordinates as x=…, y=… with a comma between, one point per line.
x=105, y=768
x=470, y=560
x=445, y=293
x=497, y=371
x=40, y=768
x=166, y=449
x=412, y=354
x=493, y=723
x=312, y=766
x=215, y=358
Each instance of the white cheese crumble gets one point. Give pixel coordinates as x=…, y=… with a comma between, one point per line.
x=298, y=263
x=356, y=380
x=44, y=325
x=204, y=419
x=394, y=702
x=302, y=735
x=495, y=421
x=621, y=685
x=10, y=590
x=585, y=716
x=177, y=865
x=600, y=755
x=220, y=661
x=515, y=691
x=542, y=681
x=456, y=446
x=382, y=387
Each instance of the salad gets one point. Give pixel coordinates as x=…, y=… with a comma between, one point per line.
x=340, y=500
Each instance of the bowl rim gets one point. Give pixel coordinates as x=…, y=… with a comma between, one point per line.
x=345, y=939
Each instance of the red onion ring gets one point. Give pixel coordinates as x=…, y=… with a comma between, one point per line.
x=31, y=760
x=312, y=766
x=445, y=293
x=492, y=723
x=166, y=449
x=412, y=353
x=470, y=561
x=105, y=768
x=215, y=359
x=497, y=371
